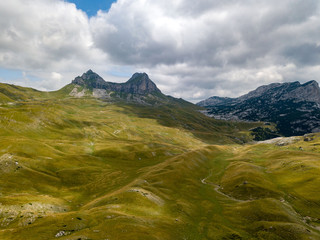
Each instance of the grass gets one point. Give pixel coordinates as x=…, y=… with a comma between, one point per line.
x=81, y=168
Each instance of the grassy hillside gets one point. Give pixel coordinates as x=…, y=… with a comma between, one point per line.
x=81, y=168
x=12, y=93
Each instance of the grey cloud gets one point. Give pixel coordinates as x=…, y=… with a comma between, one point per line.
x=247, y=32
x=192, y=49
x=305, y=54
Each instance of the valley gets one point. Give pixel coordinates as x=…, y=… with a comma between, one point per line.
x=91, y=168
x=159, y=120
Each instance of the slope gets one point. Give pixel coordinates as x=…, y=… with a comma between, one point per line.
x=88, y=168
x=12, y=93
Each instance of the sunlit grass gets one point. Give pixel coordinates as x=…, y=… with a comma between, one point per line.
x=81, y=168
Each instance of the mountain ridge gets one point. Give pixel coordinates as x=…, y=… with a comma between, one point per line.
x=294, y=107
x=138, y=89
x=139, y=83
x=311, y=93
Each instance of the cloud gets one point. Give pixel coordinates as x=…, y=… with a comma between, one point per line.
x=191, y=49
x=45, y=36
x=212, y=47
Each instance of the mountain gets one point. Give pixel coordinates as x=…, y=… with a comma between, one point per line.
x=139, y=88
x=111, y=168
x=294, y=107
x=139, y=83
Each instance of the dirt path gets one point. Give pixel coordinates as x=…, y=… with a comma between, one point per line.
x=218, y=187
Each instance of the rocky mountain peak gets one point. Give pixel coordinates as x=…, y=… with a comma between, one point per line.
x=312, y=82
x=310, y=91
x=140, y=83
x=283, y=91
x=90, y=75
x=293, y=106
x=139, y=76
x=89, y=79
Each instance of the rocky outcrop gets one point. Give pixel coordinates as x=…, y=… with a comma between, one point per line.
x=138, y=89
x=212, y=101
x=294, y=107
x=139, y=83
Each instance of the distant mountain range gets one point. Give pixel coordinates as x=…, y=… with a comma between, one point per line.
x=293, y=107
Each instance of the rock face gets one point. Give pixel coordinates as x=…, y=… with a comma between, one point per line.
x=139, y=89
x=294, y=107
x=212, y=101
x=139, y=83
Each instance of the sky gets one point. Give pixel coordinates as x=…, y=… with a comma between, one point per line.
x=91, y=7
x=190, y=49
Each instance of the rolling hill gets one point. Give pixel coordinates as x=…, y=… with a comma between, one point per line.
x=143, y=165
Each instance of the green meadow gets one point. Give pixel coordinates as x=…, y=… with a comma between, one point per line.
x=83, y=168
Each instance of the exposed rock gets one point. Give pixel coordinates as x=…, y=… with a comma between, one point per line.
x=76, y=93
x=294, y=107
x=100, y=93
x=281, y=141
x=215, y=101
x=8, y=163
x=90, y=79
x=139, y=83
x=61, y=234
x=139, y=89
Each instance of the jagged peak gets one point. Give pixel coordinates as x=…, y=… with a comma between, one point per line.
x=139, y=76
x=91, y=75
x=311, y=82
x=308, y=91
x=139, y=83
x=287, y=90
x=89, y=79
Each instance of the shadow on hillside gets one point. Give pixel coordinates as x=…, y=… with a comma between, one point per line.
x=186, y=116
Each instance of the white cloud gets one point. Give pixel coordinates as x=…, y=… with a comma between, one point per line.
x=191, y=49
x=194, y=49
x=46, y=36
x=56, y=76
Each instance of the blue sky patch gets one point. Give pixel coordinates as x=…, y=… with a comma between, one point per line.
x=91, y=7
x=10, y=75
